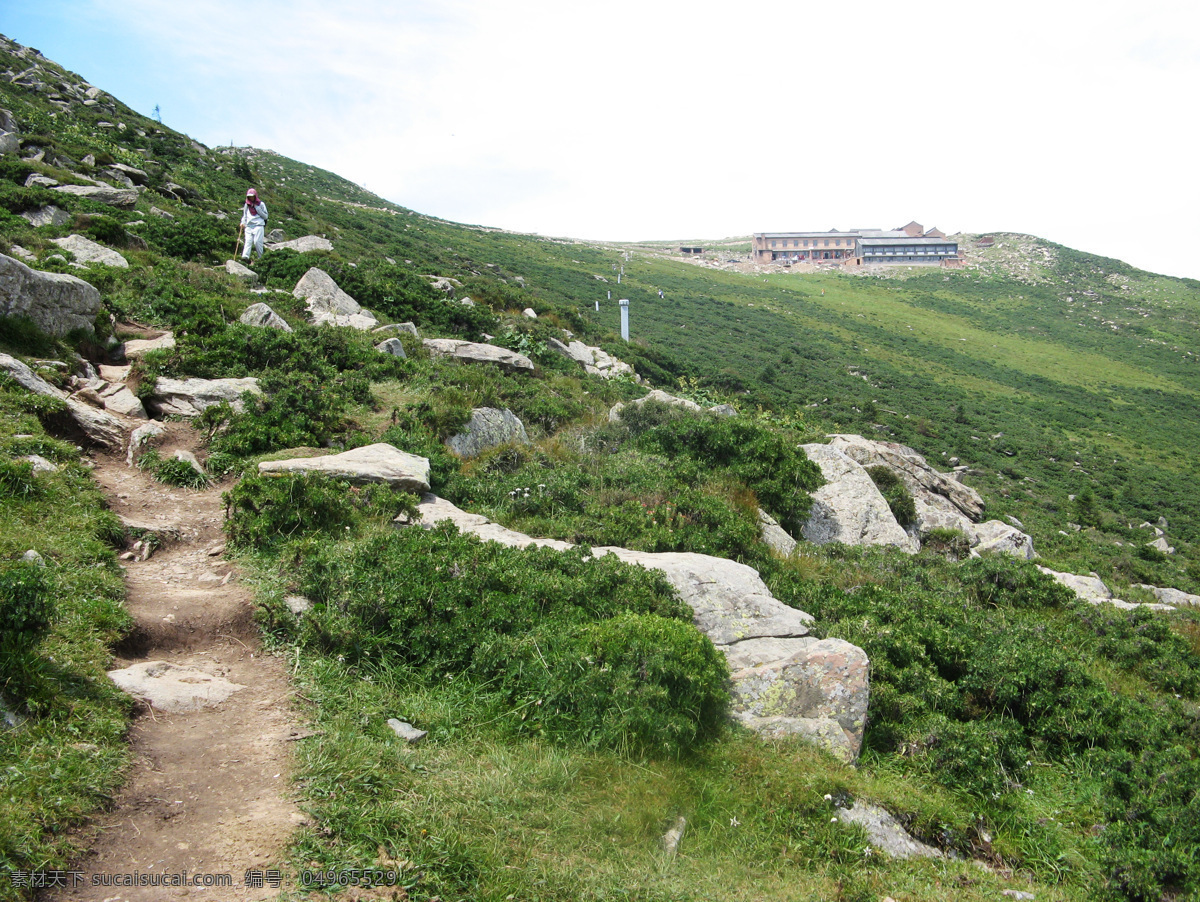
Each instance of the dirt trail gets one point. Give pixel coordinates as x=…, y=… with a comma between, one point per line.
x=209, y=792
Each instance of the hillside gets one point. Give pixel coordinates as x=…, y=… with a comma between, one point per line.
x=1037, y=742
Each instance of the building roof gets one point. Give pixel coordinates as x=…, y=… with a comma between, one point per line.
x=906, y=242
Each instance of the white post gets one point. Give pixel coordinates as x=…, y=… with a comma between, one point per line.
x=609, y=295
x=618, y=278
x=624, y=302
x=598, y=303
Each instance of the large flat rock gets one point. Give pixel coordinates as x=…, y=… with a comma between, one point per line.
x=477, y=352
x=380, y=462
x=173, y=688
x=191, y=397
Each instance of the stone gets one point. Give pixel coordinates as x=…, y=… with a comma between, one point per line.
x=1161, y=544
x=614, y=414
x=594, y=361
x=32, y=557
x=467, y=302
x=1000, y=538
x=24, y=253
x=162, y=214
x=475, y=352
x=380, y=462
x=785, y=682
x=139, y=347
x=241, y=271
x=723, y=410
x=529, y=312
x=393, y=346
x=399, y=328
x=87, y=251
x=40, y=464
x=99, y=426
x=406, y=731
x=262, y=316
x=122, y=198
x=329, y=305
x=275, y=236
x=37, y=180
x=190, y=397
x=114, y=373
x=1087, y=588
x=190, y=459
x=56, y=303
x=672, y=838
x=126, y=403
x=885, y=832
x=849, y=507
x=774, y=535
x=910, y=466
x=1172, y=596
x=137, y=176
x=172, y=687
x=444, y=284
x=297, y=604
x=143, y=435
x=48, y=215
x=305, y=244
x=488, y=428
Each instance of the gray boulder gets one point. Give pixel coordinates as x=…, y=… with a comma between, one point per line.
x=475, y=352
x=785, y=682
x=190, y=397
x=380, y=462
x=398, y=328
x=275, y=236
x=1087, y=588
x=774, y=535
x=305, y=244
x=86, y=251
x=263, y=317
x=120, y=400
x=393, y=346
x=122, y=198
x=143, y=435
x=488, y=428
x=406, y=731
x=329, y=305
x=48, y=215
x=136, y=348
x=56, y=303
x=241, y=271
x=594, y=361
x=885, y=832
x=1173, y=596
x=999, y=537
x=923, y=481
x=849, y=508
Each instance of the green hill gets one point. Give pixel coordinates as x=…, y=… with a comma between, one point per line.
x=1053, y=741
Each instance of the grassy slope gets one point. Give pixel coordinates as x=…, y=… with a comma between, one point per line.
x=1076, y=404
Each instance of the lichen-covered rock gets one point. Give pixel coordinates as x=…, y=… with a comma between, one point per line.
x=476, y=352
x=849, y=508
x=785, y=682
x=56, y=303
x=488, y=428
x=87, y=251
x=122, y=198
x=380, y=462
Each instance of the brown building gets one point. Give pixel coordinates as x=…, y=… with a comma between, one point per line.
x=909, y=244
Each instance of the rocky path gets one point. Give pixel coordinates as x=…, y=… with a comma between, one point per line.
x=209, y=792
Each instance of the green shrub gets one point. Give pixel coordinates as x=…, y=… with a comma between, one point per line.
x=26, y=601
x=262, y=511
x=899, y=499
x=17, y=479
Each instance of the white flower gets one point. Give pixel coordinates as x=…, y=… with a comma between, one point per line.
x=734, y=822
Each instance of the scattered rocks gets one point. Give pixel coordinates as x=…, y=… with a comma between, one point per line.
x=143, y=435
x=172, y=687
x=99, y=426
x=475, y=352
x=55, y=303
x=380, y=462
x=594, y=361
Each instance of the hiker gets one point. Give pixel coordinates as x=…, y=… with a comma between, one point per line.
x=254, y=219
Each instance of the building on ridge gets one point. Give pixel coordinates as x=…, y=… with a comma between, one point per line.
x=908, y=245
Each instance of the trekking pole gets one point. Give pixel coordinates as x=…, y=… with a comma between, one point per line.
x=237, y=243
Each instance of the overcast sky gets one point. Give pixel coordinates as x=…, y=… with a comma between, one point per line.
x=631, y=120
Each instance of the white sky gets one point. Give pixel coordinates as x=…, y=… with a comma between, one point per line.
x=689, y=120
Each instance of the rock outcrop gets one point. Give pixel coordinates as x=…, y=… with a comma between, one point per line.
x=488, y=428
x=55, y=303
x=48, y=215
x=1092, y=589
x=303, y=245
x=614, y=413
x=1172, y=596
x=330, y=306
x=477, y=352
x=122, y=198
x=98, y=425
x=191, y=397
x=380, y=462
x=998, y=537
x=849, y=508
x=594, y=361
x=785, y=682
x=87, y=251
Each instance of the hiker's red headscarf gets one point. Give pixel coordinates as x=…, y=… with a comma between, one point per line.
x=252, y=200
